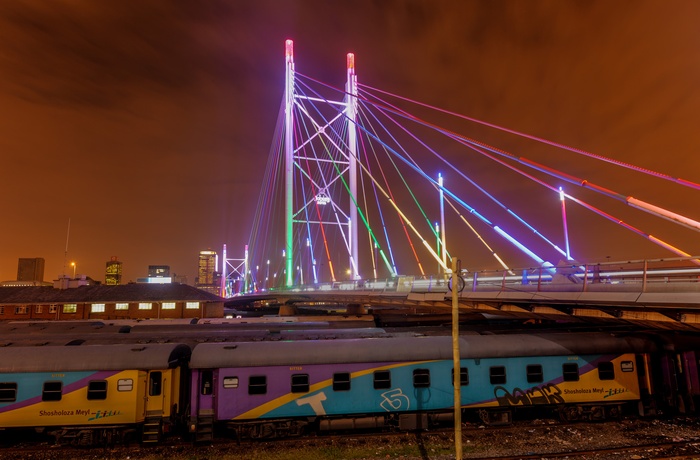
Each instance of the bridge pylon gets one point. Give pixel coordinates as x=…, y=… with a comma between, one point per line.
x=325, y=175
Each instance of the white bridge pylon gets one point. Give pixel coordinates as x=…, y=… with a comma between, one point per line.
x=335, y=168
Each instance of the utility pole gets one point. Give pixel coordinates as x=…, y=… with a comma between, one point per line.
x=456, y=361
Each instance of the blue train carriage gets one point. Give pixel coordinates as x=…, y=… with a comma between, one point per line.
x=283, y=388
x=93, y=394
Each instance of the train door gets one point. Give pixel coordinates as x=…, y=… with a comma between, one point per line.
x=203, y=416
x=205, y=391
x=155, y=399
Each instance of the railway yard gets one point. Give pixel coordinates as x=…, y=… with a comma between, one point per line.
x=344, y=388
x=677, y=438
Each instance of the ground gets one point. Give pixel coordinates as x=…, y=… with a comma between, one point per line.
x=540, y=439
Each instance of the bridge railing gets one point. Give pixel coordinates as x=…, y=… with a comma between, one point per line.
x=635, y=275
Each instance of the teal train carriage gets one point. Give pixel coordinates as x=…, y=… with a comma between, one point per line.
x=94, y=394
x=274, y=389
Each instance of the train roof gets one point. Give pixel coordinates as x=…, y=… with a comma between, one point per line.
x=92, y=357
x=232, y=354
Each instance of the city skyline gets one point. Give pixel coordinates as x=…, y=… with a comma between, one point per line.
x=141, y=129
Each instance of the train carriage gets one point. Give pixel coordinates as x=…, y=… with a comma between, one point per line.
x=279, y=388
x=92, y=394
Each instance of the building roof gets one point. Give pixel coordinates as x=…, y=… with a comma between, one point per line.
x=134, y=292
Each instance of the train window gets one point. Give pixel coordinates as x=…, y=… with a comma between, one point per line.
x=421, y=378
x=300, y=383
x=570, y=372
x=8, y=391
x=125, y=385
x=497, y=375
x=463, y=376
x=534, y=373
x=97, y=389
x=230, y=382
x=155, y=381
x=206, y=383
x=627, y=366
x=257, y=385
x=341, y=381
x=606, y=371
x=382, y=380
x=52, y=391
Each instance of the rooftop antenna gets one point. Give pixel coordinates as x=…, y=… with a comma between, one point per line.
x=65, y=254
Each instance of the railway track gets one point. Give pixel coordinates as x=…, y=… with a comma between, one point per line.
x=677, y=438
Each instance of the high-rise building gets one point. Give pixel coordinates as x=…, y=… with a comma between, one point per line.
x=30, y=269
x=113, y=272
x=208, y=278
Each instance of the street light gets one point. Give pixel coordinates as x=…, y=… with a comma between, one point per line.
x=72, y=264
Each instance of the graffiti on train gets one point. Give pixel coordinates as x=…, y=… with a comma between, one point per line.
x=545, y=394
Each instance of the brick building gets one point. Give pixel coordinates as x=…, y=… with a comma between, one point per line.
x=129, y=301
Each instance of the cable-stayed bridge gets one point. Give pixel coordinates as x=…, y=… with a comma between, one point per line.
x=372, y=196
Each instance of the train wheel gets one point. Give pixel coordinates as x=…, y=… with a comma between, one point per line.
x=570, y=413
x=262, y=431
x=614, y=412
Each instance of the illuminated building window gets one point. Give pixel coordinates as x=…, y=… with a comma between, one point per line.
x=192, y=305
x=70, y=308
x=145, y=305
x=97, y=308
x=21, y=310
x=53, y=308
x=121, y=306
x=38, y=309
x=168, y=305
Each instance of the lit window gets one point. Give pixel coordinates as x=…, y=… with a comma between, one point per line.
x=168, y=305
x=97, y=308
x=38, y=309
x=21, y=310
x=145, y=305
x=191, y=305
x=53, y=308
x=70, y=308
x=230, y=382
x=125, y=385
x=121, y=306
